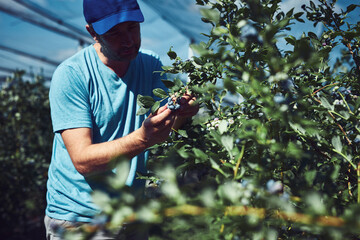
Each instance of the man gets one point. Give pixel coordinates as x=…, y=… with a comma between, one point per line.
x=93, y=109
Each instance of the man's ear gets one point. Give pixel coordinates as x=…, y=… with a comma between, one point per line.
x=91, y=31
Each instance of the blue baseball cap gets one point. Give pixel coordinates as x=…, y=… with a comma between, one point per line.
x=105, y=14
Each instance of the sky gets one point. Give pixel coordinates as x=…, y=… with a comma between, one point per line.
x=157, y=35
x=159, y=32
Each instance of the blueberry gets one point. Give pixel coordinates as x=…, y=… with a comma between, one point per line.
x=342, y=89
x=274, y=187
x=174, y=106
x=170, y=101
x=244, y=183
x=279, y=98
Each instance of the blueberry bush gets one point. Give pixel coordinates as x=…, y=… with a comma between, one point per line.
x=25, y=151
x=274, y=150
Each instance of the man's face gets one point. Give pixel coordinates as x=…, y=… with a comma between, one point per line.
x=122, y=42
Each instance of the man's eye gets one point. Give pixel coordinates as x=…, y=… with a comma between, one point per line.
x=135, y=26
x=110, y=34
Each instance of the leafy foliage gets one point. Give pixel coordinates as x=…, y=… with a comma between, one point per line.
x=25, y=150
x=281, y=161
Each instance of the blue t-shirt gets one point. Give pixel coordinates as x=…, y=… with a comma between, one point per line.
x=86, y=93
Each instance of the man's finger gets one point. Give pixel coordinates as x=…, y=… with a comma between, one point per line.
x=161, y=118
x=161, y=109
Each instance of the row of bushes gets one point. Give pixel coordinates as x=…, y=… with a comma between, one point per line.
x=25, y=151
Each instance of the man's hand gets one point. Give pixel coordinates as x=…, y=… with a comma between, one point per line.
x=157, y=127
x=188, y=108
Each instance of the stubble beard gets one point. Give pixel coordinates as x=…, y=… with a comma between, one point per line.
x=112, y=55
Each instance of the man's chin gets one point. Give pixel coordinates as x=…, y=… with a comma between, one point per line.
x=128, y=56
x=125, y=58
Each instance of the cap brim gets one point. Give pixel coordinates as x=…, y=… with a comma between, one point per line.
x=105, y=24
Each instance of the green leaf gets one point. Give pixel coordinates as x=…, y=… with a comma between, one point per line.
x=312, y=35
x=229, y=85
x=178, y=82
x=310, y=177
x=299, y=14
x=223, y=126
x=220, y=31
x=241, y=23
x=216, y=166
x=158, y=92
x=155, y=107
x=211, y=14
x=345, y=114
x=145, y=101
x=297, y=128
x=198, y=60
x=182, y=152
x=200, y=154
x=300, y=20
x=198, y=89
x=290, y=40
x=335, y=173
x=351, y=7
x=102, y=200
x=290, y=13
x=168, y=83
x=283, y=23
x=199, y=49
x=142, y=111
x=122, y=171
x=312, y=4
x=326, y=104
x=199, y=2
x=182, y=133
x=228, y=142
x=336, y=142
x=316, y=203
x=172, y=54
x=166, y=67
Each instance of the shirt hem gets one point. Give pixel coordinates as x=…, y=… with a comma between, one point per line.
x=72, y=218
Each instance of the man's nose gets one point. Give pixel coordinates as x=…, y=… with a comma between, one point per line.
x=127, y=40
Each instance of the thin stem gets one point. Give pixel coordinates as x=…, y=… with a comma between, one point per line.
x=239, y=161
x=323, y=88
x=341, y=128
x=347, y=105
x=345, y=157
x=358, y=185
x=338, y=114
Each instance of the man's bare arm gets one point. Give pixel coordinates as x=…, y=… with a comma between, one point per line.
x=88, y=157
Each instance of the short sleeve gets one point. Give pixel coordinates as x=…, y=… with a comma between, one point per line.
x=69, y=100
